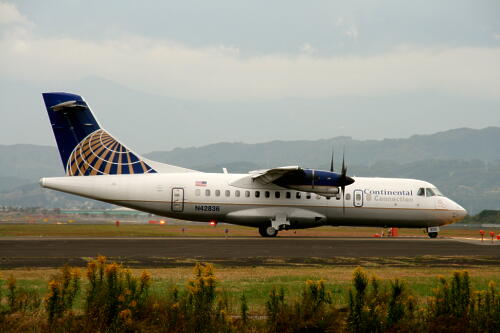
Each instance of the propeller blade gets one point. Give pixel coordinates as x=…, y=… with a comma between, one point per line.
x=343, y=199
x=331, y=163
x=344, y=181
x=344, y=168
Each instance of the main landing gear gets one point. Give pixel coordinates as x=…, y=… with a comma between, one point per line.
x=433, y=232
x=268, y=231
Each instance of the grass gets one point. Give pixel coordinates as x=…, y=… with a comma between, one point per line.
x=113, y=298
x=257, y=282
x=199, y=230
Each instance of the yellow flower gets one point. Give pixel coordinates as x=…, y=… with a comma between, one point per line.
x=145, y=277
x=75, y=272
x=111, y=269
x=91, y=269
x=125, y=314
x=101, y=259
x=11, y=282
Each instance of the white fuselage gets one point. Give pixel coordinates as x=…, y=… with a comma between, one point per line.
x=233, y=198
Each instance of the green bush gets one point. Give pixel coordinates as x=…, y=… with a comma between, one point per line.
x=62, y=292
x=114, y=297
x=21, y=299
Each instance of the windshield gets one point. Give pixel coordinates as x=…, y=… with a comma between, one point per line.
x=437, y=192
x=430, y=192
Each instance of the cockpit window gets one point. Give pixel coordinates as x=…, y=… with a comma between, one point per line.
x=421, y=192
x=437, y=192
x=430, y=192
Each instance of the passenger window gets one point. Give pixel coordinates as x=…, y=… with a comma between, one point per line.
x=247, y=194
x=267, y=194
x=429, y=192
x=288, y=195
x=197, y=192
x=217, y=193
x=298, y=195
x=348, y=196
x=277, y=194
x=228, y=193
x=237, y=193
x=207, y=192
x=328, y=198
x=421, y=192
x=257, y=194
x=308, y=196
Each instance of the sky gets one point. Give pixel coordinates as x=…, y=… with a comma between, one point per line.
x=198, y=72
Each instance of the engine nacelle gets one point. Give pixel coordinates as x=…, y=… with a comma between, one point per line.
x=326, y=191
x=324, y=183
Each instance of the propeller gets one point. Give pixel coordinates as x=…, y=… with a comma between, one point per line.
x=331, y=163
x=344, y=181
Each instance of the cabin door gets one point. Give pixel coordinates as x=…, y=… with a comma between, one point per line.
x=177, y=199
x=358, y=198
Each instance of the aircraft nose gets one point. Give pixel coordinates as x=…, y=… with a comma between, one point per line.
x=461, y=211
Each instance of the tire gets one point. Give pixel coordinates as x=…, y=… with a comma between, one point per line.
x=268, y=231
x=433, y=234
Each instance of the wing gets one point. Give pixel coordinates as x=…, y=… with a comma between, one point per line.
x=270, y=175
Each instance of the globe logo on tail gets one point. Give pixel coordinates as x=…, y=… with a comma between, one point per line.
x=101, y=154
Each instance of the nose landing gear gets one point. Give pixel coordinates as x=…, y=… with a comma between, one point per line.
x=433, y=232
x=268, y=231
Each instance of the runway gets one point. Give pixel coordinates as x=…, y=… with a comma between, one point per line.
x=175, y=251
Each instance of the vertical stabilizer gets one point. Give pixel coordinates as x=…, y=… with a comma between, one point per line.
x=87, y=149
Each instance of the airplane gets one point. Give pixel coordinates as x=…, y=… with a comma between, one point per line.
x=99, y=167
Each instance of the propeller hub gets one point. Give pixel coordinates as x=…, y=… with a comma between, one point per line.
x=348, y=181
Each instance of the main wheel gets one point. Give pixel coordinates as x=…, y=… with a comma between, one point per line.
x=268, y=231
x=433, y=234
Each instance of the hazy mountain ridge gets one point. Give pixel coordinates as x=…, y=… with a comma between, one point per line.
x=463, y=143
x=464, y=163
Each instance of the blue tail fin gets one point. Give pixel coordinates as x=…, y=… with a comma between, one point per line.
x=85, y=148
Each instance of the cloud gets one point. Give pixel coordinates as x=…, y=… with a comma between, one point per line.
x=222, y=73
x=307, y=48
x=10, y=15
x=348, y=29
x=496, y=36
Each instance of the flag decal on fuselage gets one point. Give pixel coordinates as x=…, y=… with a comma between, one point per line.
x=200, y=183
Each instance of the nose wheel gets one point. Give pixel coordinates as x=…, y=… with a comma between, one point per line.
x=432, y=232
x=268, y=231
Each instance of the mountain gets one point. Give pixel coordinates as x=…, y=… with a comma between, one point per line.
x=464, y=163
x=463, y=143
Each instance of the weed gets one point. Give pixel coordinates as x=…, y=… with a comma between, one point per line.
x=62, y=292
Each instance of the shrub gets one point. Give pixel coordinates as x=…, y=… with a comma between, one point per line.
x=373, y=309
x=62, y=292
x=277, y=310
x=114, y=297
x=21, y=299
